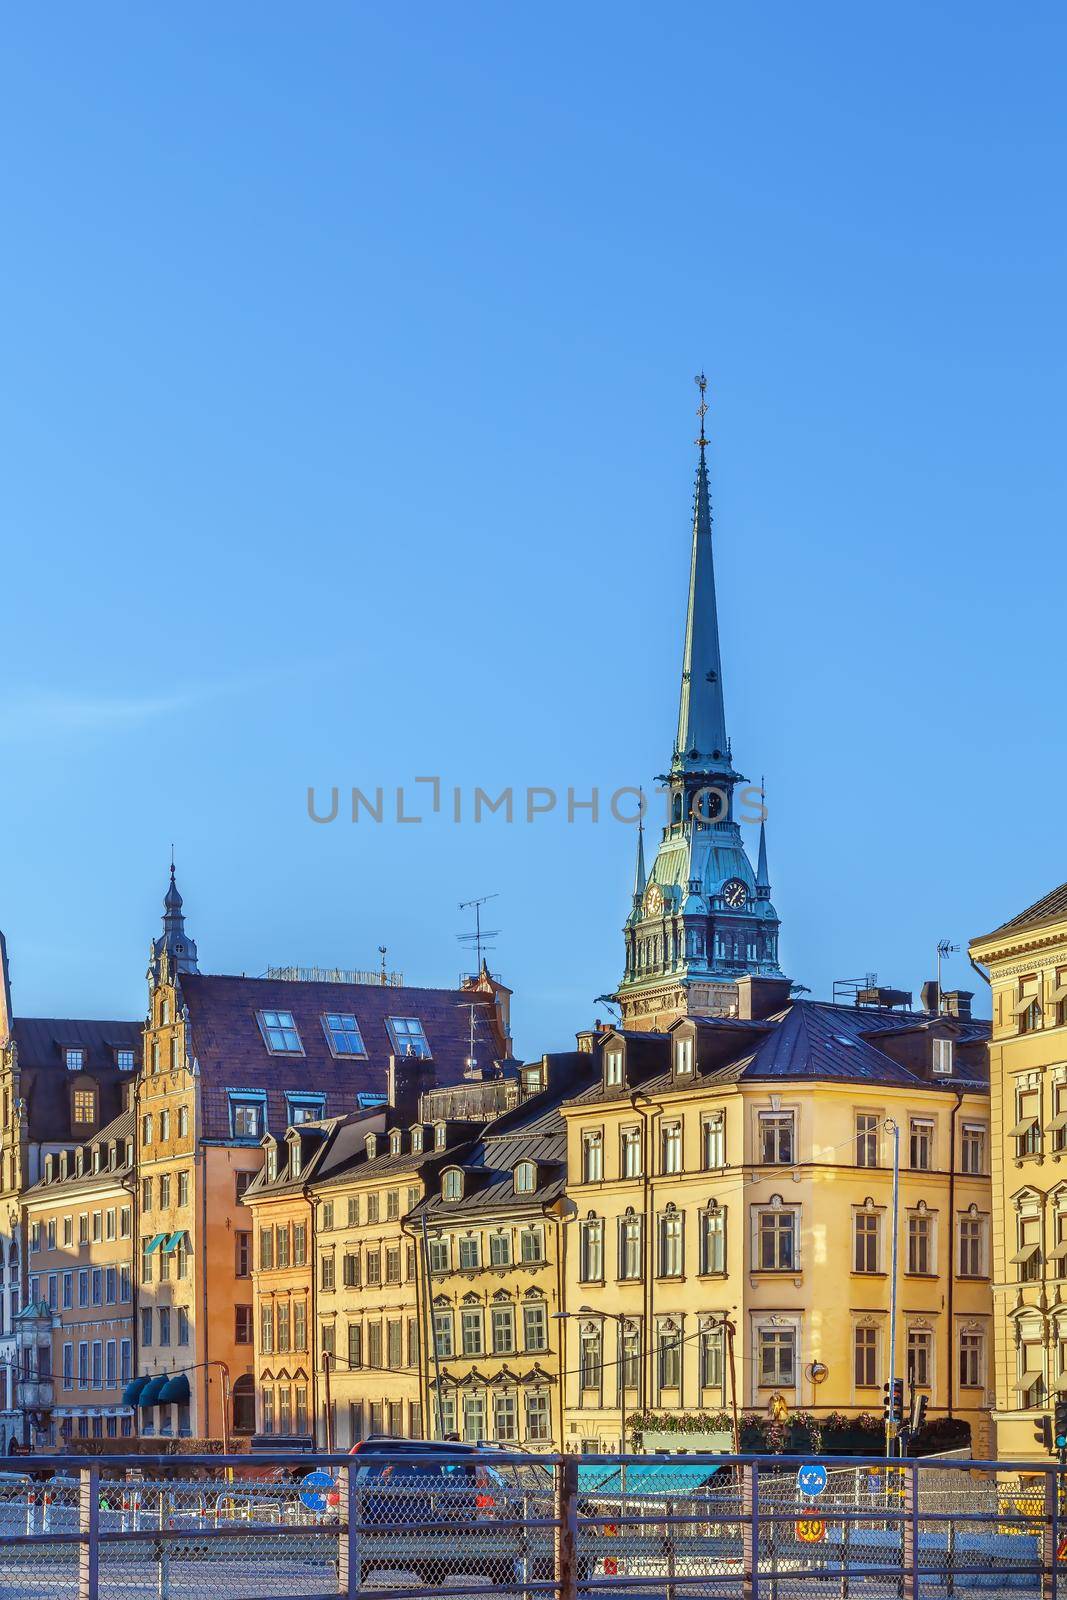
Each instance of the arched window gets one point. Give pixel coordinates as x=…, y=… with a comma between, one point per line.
x=525, y=1178
x=244, y=1404
x=676, y=807
x=452, y=1184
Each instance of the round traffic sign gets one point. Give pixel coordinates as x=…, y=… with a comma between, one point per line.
x=811, y=1479
x=811, y=1530
x=315, y=1490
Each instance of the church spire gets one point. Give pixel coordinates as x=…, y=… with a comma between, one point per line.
x=179, y=948
x=639, y=876
x=701, y=740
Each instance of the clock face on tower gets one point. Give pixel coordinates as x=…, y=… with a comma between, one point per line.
x=735, y=893
x=653, y=900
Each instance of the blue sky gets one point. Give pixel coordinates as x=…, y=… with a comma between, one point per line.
x=348, y=416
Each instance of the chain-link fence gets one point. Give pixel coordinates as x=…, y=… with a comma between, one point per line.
x=442, y=1518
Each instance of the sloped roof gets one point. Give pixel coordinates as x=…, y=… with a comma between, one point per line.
x=120, y=1130
x=1052, y=907
x=44, y=1076
x=231, y=1053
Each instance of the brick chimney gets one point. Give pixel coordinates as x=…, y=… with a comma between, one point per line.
x=409, y=1077
x=761, y=997
x=957, y=1003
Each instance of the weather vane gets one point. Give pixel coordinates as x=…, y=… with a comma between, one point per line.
x=702, y=409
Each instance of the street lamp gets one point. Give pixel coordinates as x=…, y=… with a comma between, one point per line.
x=620, y=1318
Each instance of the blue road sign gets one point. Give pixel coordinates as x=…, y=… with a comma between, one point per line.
x=314, y=1489
x=811, y=1479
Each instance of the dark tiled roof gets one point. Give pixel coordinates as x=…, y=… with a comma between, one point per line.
x=1051, y=907
x=44, y=1076
x=229, y=1047
x=812, y=1040
x=119, y=1130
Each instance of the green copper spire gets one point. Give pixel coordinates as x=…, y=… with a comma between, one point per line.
x=701, y=741
x=639, y=875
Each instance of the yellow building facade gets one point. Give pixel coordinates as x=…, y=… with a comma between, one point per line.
x=1026, y=960
x=731, y=1235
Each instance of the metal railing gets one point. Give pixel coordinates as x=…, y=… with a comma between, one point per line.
x=667, y=1527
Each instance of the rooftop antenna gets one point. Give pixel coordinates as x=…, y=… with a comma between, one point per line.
x=481, y=938
x=945, y=948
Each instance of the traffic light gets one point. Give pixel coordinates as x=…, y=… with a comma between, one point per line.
x=1043, y=1432
x=919, y=1405
x=893, y=1402
x=1059, y=1425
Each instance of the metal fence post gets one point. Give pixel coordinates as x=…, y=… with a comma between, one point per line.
x=567, y=1530
x=1048, y=1544
x=89, y=1528
x=348, y=1538
x=910, y=1561
x=750, y=1532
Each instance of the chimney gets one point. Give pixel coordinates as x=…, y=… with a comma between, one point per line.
x=957, y=1003
x=928, y=996
x=761, y=997
x=409, y=1077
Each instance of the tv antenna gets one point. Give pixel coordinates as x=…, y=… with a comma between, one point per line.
x=945, y=948
x=481, y=939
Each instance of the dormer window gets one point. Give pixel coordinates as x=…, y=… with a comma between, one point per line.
x=272, y=1163
x=112, y=1155
x=280, y=1033
x=372, y=1146
x=612, y=1068
x=394, y=1142
x=416, y=1141
x=305, y=1107
x=440, y=1136
x=248, y=1116
x=295, y=1160
x=63, y=1158
x=96, y=1158
x=683, y=1055
x=129, y=1152
x=452, y=1184
x=49, y=1168
x=79, y=1162
x=126, y=1060
x=525, y=1177
x=74, y=1058
x=943, y=1056
x=408, y=1036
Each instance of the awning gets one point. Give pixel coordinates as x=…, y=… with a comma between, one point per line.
x=154, y=1243
x=1024, y=1003
x=1059, y=1252
x=1058, y=1122
x=1023, y=1127
x=173, y=1242
x=1058, y=995
x=151, y=1392
x=1025, y=1253
x=175, y=1392
x=132, y=1392
x=1027, y=1379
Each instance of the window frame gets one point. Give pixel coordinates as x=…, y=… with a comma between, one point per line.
x=286, y=1032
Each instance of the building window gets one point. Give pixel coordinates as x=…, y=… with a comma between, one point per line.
x=867, y=1139
x=867, y=1227
x=1028, y=1256
x=592, y=1157
x=865, y=1364
x=972, y=1360
x=942, y=1057
x=671, y=1244
x=535, y=1325
x=777, y=1357
x=500, y=1249
x=714, y=1138
x=75, y=1059
x=525, y=1177
x=683, y=1056
x=589, y=1356
x=503, y=1326
x=440, y=1253
x=247, y=1119
x=970, y=1256
x=630, y=1334
x=776, y=1138
x=711, y=1358
x=670, y=1356
x=972, y=1148
x=242, y=1325
x=713, y=1240
x=473, y=1418
x=922, y=1144
x=242, y=1254
x=671, y=1147
x=1027, y=1129
x=470, y=1321
x=126, y=1060
x=532, y=1244
x=1033, y=1389
x=538, y=1423
x=631, y=1253
x=1028, y=1005
x=591, y=1251
x=470, y=1253
x=612, y=1068
x=280, y=1033
x=920, y=1348
x=342, y=1034
x=504, y=1412
x=630, y=1153
x=408, y=1036
x=452, y=1184
x=776, y=1240
x=305, y=1108
x=920, y=1243
x=84, y=1105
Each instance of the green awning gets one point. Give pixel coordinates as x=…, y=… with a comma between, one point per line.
x=151, y=1393
x=173, y=1242
x=132, y=1392
x=154, y=1243
x=175, y=1392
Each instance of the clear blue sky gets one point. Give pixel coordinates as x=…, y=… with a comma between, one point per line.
x=347, y=416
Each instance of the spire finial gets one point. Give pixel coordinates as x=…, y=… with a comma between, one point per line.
x=702, y=409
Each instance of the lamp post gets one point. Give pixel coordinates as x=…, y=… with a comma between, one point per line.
x=620, y=1318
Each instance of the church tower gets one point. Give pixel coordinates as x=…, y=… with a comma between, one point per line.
x=174, y=944
x=701, y=918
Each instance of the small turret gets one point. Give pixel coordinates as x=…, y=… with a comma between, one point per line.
x=175, y=943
